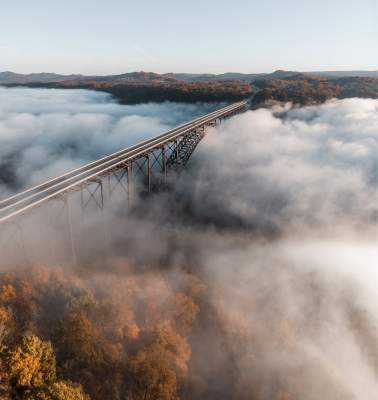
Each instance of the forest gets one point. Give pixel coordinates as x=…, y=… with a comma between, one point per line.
x=227, y=287
x=305, y=89
x=140, y=91
x=162, y=334
x=263, y=89
x=66, y=337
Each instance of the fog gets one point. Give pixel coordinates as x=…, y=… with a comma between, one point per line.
x=45, y=132
x=310, y=169
x=276, y=213
x=303, y=183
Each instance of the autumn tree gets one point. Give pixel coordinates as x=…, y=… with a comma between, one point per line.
x=32, y=363
x=150, y=375
x=30, y=370
x=120, y=339
x=60, y=390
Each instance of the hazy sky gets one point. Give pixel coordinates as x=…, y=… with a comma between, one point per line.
x=114, y=36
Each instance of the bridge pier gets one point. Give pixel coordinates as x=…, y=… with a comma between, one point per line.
x=164, y=167
x=129, y=183
x=162, y=154
x=13, y=238
x=98, y=191
x=70, y=232
x=149, y=173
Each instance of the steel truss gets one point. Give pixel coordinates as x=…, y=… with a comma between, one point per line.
x=141, y=167
x=184, y=149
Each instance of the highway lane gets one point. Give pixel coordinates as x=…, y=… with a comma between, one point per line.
x=35, y=196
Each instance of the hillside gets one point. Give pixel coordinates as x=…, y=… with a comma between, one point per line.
x=8, y=77
x=11, y=77
x=282, y=86
x=139, y=87
x=310, y=89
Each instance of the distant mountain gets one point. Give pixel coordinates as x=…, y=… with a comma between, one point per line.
x=11, y=77
x=141, y=87
x=280, y=85
x=279, y=74
x=131, y=77
x=342, y=74
x=189, y=77
x=213, y=77
x=305, y=88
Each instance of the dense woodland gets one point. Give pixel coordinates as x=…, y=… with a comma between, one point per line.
x=128, y=335
x=303, y=89
x=281, y=86
x=65, y=337
x=146, y=334
x=179, y=91
x=142, y=91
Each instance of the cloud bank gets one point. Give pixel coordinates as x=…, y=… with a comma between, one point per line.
x=277, y=214
x=293, y=272
x=312, y=169
x=44, y=132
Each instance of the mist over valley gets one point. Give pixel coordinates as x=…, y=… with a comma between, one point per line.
x=188, y=200
x=253, y=276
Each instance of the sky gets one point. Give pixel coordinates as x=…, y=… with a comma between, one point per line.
x=200, y=36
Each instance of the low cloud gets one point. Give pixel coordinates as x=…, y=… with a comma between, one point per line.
x=45, y=132
x=308, y=169
x=277, y=214
x=292, y=270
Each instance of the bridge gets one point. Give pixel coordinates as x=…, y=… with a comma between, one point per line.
x=148, y=162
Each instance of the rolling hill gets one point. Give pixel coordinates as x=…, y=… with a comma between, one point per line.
x=278, y=86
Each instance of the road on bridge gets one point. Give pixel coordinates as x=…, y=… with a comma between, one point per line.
x=79, y=177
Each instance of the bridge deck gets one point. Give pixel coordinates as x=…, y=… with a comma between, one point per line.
x=74, y=179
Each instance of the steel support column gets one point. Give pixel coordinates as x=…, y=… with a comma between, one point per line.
x=129, y=183
x=149, y=173
x=164, y=164
x=70, y=232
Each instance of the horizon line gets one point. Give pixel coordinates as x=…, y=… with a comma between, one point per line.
x=193, y=73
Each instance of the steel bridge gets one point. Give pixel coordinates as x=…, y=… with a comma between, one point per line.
x=149, y=161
